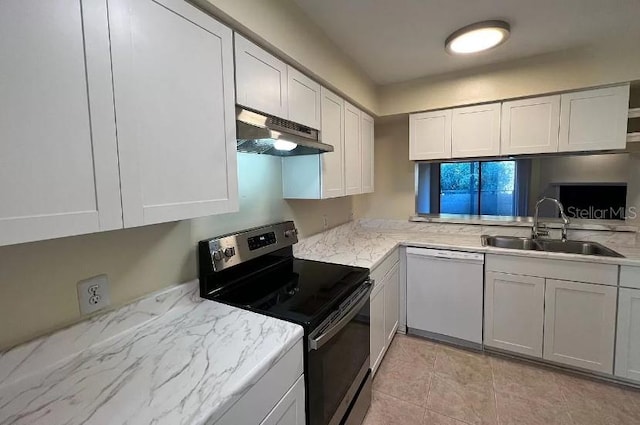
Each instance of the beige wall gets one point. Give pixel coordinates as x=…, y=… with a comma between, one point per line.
x=394, y=195
x=38, y=280
x=550, y=171
x=633, y=189
x=282, y=27
x=613, y=61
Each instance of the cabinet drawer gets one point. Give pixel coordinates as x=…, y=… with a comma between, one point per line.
x=604, y=274
x=256, y=403
x=630, y=277
x=381, y=270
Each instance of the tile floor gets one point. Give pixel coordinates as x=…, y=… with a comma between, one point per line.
x=424, y=383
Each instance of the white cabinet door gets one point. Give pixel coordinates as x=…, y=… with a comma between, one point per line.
x=530, y=125
x=352, y=150
x=290, y=409
x=332, y=133
x=594, y=119
x=174, y=111
x=628, y=343
x=514, y=313
x=391, y=303
x=303, y=99
x=367, y=153
x=430, y=135
x=261, y=79
x=58, y=152
x=579, y=325
x=475, y=131
x=377, y=326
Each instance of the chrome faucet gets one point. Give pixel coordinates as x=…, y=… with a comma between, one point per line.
x=537, y=231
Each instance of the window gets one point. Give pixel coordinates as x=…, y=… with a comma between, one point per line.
x=473, y=188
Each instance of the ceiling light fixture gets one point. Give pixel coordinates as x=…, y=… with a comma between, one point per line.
x=477, y=37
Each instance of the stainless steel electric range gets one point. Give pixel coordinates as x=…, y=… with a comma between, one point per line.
x=255, y=269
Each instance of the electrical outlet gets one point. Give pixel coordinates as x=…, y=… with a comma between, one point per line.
x=93, y=294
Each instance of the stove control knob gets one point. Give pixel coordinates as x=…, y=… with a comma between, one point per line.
x=217, y=255
x=290, y=233
x=229, y=252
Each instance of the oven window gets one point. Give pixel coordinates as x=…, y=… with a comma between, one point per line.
x=334, y=367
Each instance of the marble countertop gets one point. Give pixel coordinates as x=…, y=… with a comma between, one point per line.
x=553, y=223
x=171, y=358
x=367, y=242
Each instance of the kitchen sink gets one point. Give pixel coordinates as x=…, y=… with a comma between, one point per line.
x=577, y=247
x=510, y=242
x=547, y=245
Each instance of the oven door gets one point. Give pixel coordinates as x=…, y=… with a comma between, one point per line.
x=338, y=363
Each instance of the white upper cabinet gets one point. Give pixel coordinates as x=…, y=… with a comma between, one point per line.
x=475, y=131
x=174, y=110
x=58, y=152
x=348, y=170
x=530, y=125
x=594, y=119
x=580, y=324
x=266, y=84
x=304, y=99
x=261, y=79
x=352, y=150
x=332, y=132
x=367, y=144
x=430, y=135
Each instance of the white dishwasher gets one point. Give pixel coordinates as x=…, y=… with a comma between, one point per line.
x=445, y=294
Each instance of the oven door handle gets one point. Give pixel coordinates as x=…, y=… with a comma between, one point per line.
x=318, y=342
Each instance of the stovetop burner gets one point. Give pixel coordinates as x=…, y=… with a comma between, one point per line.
x=256, y=269
x=302, y=291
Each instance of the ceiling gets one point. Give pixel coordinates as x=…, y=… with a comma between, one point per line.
x=399, y=40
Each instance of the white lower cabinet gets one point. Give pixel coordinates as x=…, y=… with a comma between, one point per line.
x=290, y=409
x=579, y=326
x=514, y=313
x=377, y=336
x=628, y=342
x=384, y=308
x=277, y=398
x=391, y=303
x=531, y=308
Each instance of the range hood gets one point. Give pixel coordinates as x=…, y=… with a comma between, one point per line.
x=264, y=134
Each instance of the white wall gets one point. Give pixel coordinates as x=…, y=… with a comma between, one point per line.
x=38, y=280
x=552, y=171
x=612, y=61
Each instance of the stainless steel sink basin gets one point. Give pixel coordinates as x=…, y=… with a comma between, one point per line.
x=547, y=245
x=510, y=242
x=577, y=247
